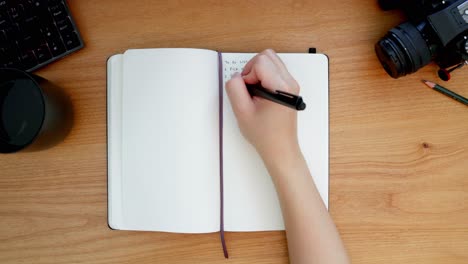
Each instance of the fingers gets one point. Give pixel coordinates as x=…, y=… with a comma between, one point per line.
x=260, y=68
x=270, y=54
x=276, y=60
x=248, y=66
x=265, y=72
x=239, y=96
x=268, y=69
x=292, y=84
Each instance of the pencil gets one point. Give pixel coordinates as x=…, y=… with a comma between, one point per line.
x=446, y=91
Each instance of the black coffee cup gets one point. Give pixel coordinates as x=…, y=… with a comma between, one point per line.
x=34, y=113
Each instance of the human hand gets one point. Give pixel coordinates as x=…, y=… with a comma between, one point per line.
x=271, y=128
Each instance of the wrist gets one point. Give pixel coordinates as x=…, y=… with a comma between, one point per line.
x=288, y=171
x=281, y=156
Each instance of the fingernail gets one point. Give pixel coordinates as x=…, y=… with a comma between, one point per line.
x=235, y=75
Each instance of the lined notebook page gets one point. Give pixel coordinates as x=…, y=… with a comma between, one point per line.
x=232, y=65
x=170, y=150
x=251, y=202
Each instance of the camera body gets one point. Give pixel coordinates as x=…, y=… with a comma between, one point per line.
x=435, y=30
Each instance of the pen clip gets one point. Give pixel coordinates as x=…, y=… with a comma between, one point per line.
x=280, y=97
x=295, y=100
x=292, y=96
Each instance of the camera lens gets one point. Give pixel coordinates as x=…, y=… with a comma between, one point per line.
x=403, y=50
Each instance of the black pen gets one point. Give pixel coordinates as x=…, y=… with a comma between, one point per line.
x=447, y=92
x=290, y=100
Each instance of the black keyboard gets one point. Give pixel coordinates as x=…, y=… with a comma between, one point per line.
x=34, y=33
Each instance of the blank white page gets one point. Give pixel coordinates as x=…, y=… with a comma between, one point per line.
x=170, y=163
x=114, y=140
x=251, y=203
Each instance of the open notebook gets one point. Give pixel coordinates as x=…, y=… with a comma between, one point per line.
x=163, y=142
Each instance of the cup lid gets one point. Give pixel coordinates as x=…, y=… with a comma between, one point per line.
x=22, y=110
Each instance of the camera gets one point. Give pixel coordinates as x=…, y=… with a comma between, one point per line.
x=435, y=30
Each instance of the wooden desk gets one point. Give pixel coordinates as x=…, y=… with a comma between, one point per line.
x=399, y=151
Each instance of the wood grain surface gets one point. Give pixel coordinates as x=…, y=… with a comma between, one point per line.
x=398, y=151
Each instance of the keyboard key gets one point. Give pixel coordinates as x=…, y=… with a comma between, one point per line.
x=30, y=42
x=28, y=60
x=4, y=19
x=16, y=13
x=39, y=5
x=27, y=42
x=30, y=25
x=3, y=36
x=12, y=33
x=31, y=36
x=56, y=46
x=39, y=8
x=71, y=40
x=13, y=63
x=58, y=11
x=32, y=20
x=10, y=56
x=3, y=54
x=50, y=31
x=64, y=25
x=27, y=4
x=42, y=53
x=3, y=5
x=3, y=59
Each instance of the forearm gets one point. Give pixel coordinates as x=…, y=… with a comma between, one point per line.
x=272, y=130
x=311, y=233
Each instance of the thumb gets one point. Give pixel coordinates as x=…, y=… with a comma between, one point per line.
x=239, y=96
